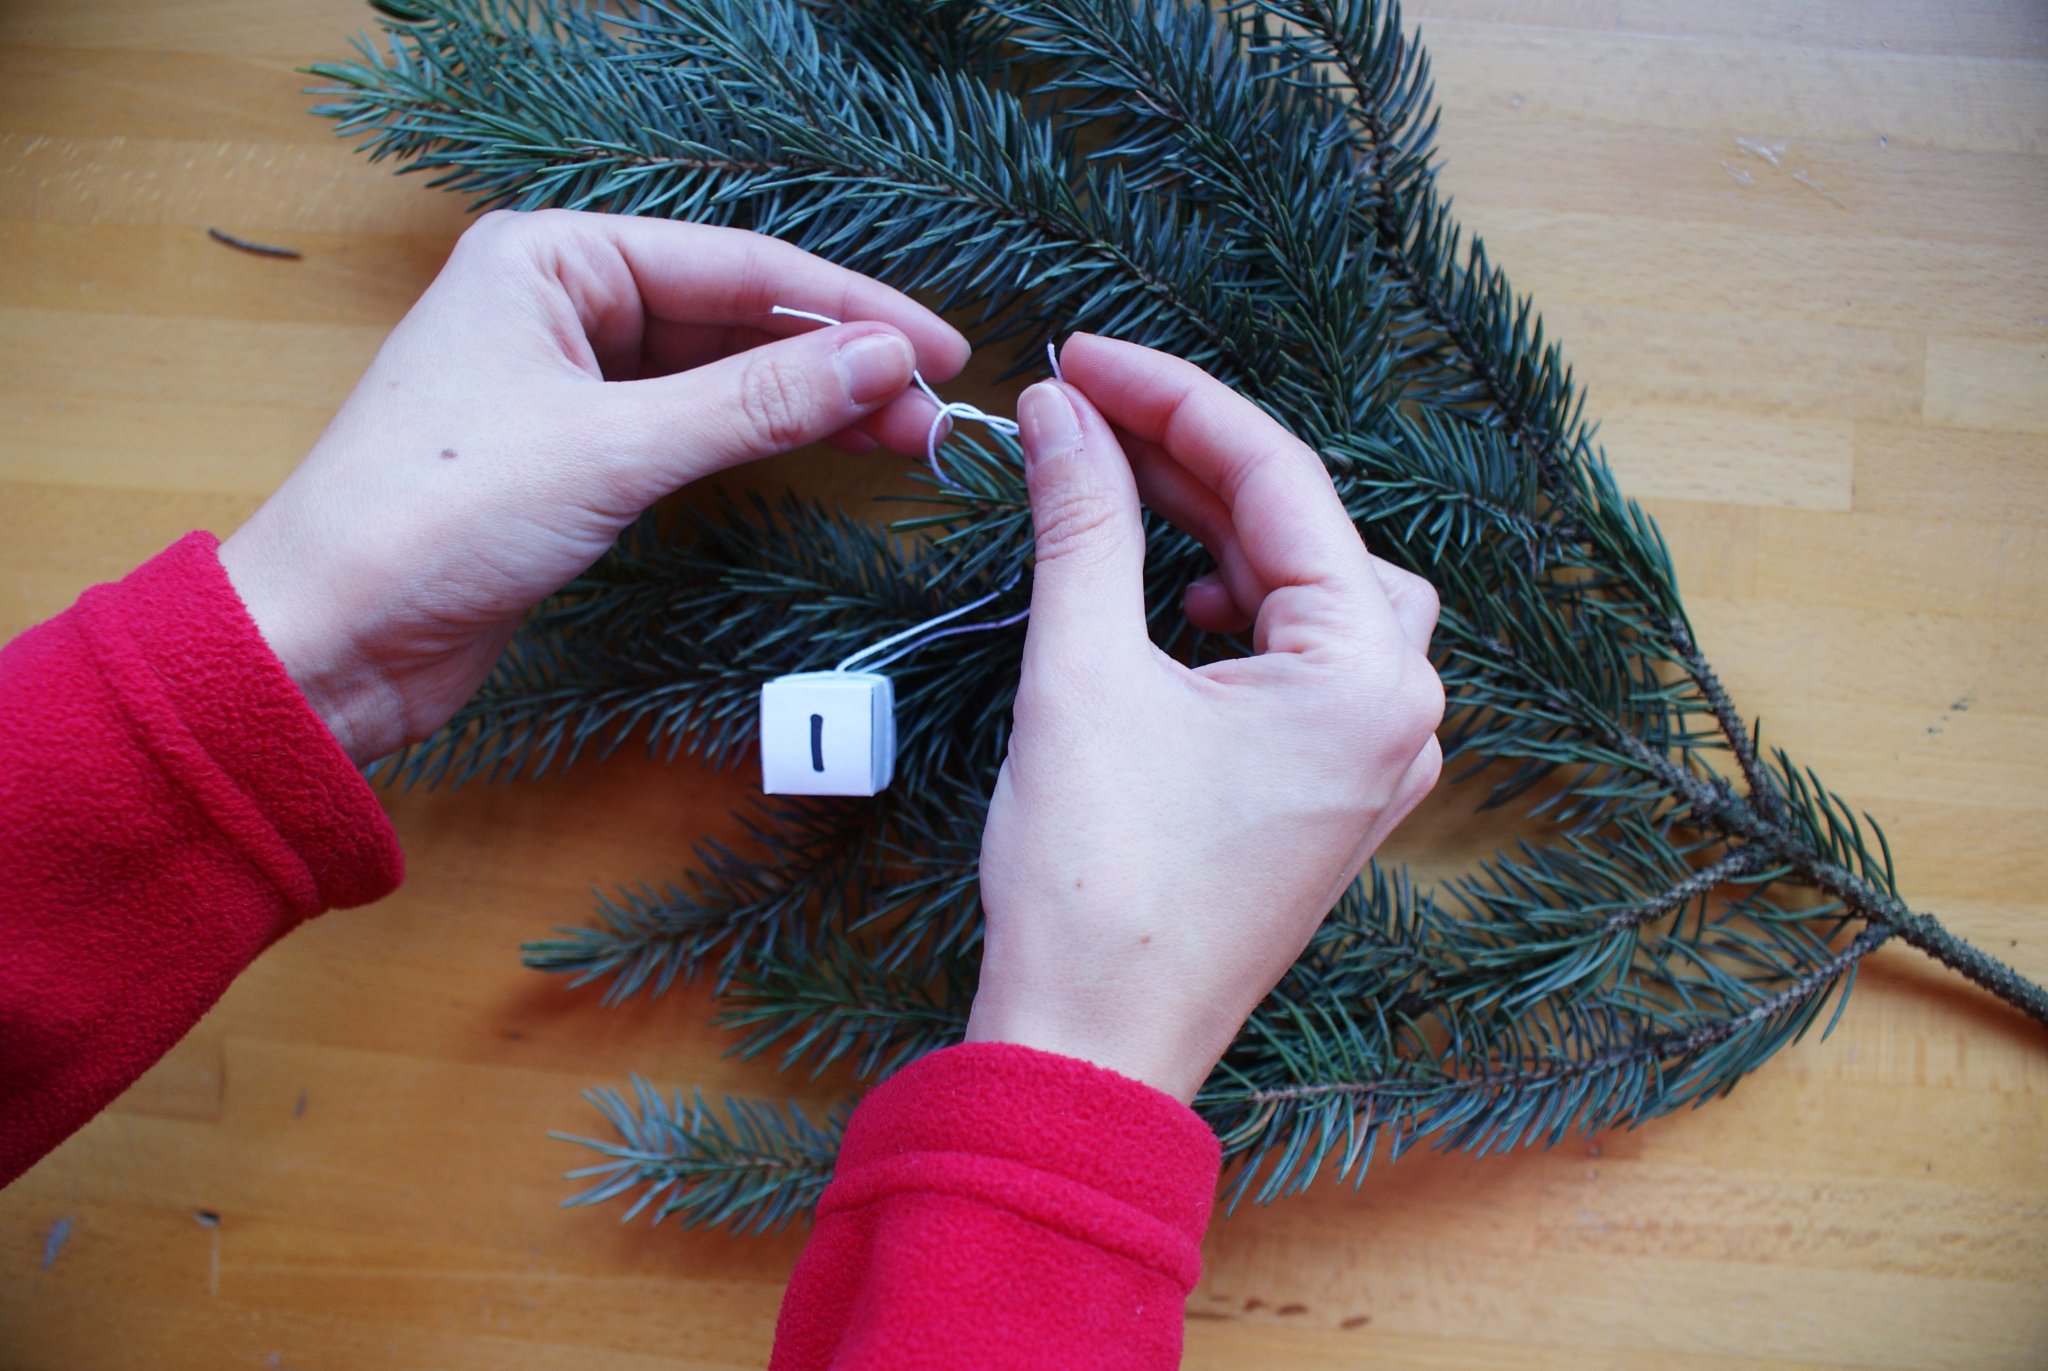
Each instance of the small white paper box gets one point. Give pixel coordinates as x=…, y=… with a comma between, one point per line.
x=828, y=733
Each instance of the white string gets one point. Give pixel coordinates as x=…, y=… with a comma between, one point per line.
x=917, y=635
x=1019, y=617
x=946, y=409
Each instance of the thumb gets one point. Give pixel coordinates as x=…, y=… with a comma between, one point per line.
x=767, y=399
x=1088, y=586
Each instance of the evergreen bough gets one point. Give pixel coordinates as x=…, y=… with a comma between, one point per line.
x=1249, y=186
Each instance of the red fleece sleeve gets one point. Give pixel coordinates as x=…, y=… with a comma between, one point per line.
x=996, y=1207
x=169, y=807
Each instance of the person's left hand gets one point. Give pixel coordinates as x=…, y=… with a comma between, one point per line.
x=562, y=373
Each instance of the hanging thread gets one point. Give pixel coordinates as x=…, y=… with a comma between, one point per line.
x=916, y=636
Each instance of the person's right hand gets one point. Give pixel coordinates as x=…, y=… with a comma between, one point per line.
x=1162, y=842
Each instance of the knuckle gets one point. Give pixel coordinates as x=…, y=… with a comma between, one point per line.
x=500, y=241
x=1430, y=767
x=774, y=404
x=1421, y=700
x=1071, y=522
x=1421, y=594
x=1396, y=710
x=506, y=233
x=1280, y=450
x=496, y=229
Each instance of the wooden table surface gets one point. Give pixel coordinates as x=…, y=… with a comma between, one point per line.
x=1799, y=253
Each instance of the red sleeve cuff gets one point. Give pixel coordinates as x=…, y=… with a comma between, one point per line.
x=1066, y=1144
x=214, y=706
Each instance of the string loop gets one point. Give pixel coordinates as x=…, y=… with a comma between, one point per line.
x=918, y=635
x=944, y=409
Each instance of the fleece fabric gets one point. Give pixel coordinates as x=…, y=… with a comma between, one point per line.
x=997, y=1208
x=170, y=806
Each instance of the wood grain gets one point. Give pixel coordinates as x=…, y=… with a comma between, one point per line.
x=1798, y=254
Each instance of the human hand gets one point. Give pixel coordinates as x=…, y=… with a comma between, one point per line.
x=562, y=373
x=1162, y=842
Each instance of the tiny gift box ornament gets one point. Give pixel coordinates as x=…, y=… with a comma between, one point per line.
x=834, y=732
x=828, y=733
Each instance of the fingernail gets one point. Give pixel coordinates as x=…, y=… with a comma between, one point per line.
x=874, y=366
x=1048, y=421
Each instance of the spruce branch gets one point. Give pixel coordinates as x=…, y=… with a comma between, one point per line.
x=1457, y=299
x=1755, y=777
x=751, y=1169
x=1254, y=189
x=1159, y=76
x=810, y=863
x=1783, y=814
x=1287, y=1131
x=929, y=35
x=873, y=167
x=843, y=1004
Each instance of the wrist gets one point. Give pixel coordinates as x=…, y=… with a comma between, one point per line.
x=1174, y=1061
x=354, y=699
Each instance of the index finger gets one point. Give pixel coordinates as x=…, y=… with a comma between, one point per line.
x=704, y=274
x=1288, y=520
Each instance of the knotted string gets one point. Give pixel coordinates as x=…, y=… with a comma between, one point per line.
x=918, y=635
x=946, y=409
